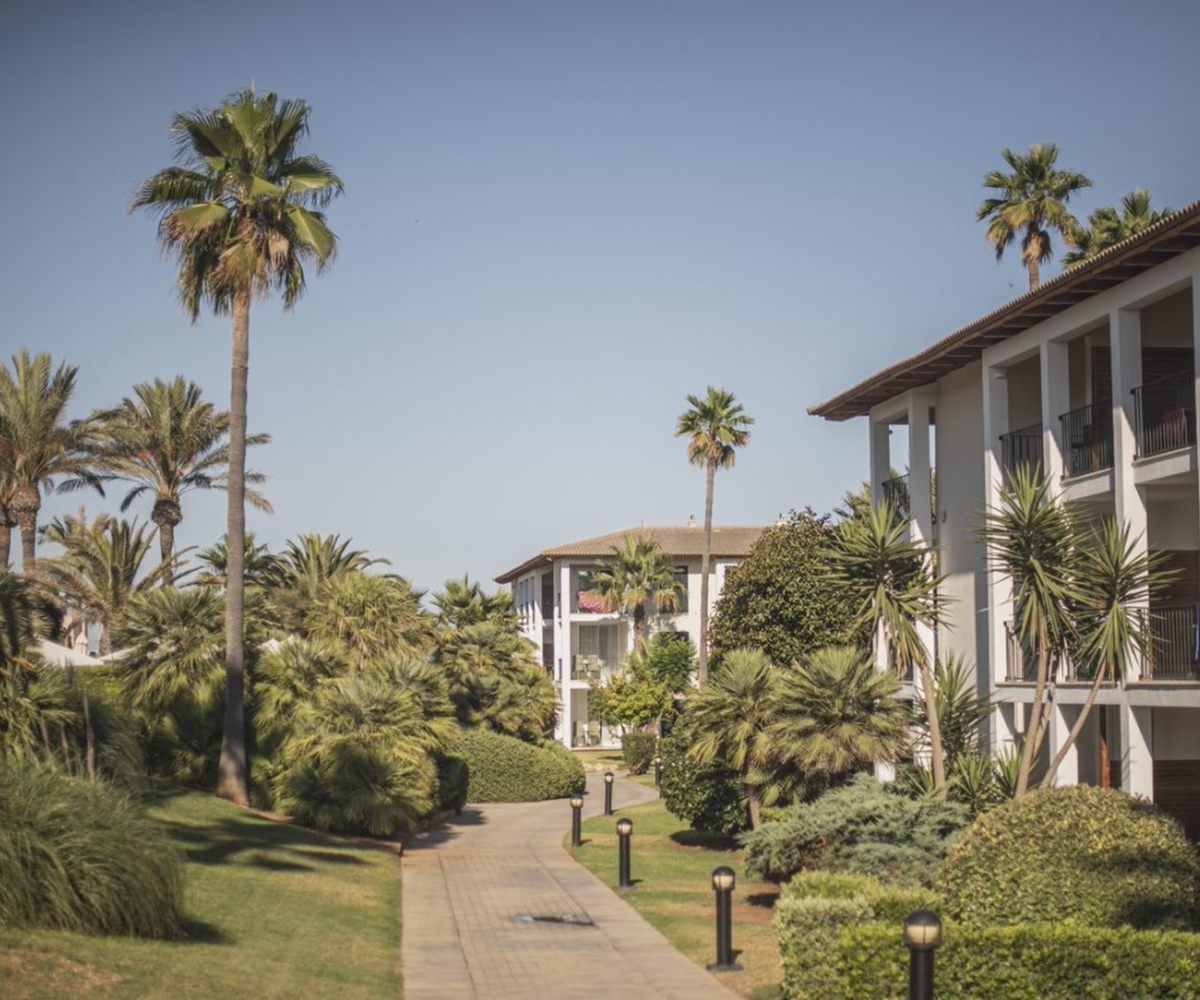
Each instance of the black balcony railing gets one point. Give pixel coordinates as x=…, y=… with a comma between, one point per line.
x=895, y=492
x=1173, y=654
x=1087, y=435
x=1165, y=414
x=1022, y=447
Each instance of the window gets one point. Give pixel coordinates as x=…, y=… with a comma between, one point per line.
x=681, y=594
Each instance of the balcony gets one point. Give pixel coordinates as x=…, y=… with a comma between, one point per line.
x=1165, y=414
x=593, y=669
x=1087, y=434
x=895, y=492
x=1174, y=653
x=1021, y=447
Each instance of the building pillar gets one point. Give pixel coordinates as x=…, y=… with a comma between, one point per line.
x=562, y=647
x=920, y=496
x=1137, y=751
x=1196, y=341
x=999, y=587
x=1056, y=400
x=1062, y=718
x=881, y=457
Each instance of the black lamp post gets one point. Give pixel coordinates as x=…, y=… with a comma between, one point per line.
x=658, y=772
x=608, y=780
x=722, y=882
x=922, y=936
x=624, y=836
x=576, y=821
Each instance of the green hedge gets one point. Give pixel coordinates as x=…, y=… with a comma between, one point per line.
x=639, y=750
x=1030, y=962
x=504, y=769
x=453, y=776
x=1089, y=855
x=887, y=903
x=807, y=928
x=707, y=798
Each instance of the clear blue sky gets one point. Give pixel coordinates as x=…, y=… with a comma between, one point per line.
x=561, y=218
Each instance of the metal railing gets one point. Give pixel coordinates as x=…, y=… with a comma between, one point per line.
x=1087, y=435
x=1174, y=655
x=1022, y=447
x=1165, y=414
x=895, y=492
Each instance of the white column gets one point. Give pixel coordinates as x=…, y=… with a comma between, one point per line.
x=1062, y=718
x=562, y=646
x=920, y=465
x=1056, y=400
x=999, y=588
x=1137, y=751
x=881, y=457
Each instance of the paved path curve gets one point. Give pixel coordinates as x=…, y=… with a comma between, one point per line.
x=468, y=883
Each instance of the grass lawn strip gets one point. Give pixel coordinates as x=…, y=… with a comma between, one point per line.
x=672, y=869
x=274, y=911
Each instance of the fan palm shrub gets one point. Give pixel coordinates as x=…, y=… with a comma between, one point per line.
x=638, y=575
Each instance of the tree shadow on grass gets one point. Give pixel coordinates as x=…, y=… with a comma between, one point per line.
x=202, y=932
x=766, y=900
x=273, y=846
x=704, y=840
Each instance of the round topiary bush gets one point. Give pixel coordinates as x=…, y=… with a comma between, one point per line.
x=1084, y=855
x=504, y=769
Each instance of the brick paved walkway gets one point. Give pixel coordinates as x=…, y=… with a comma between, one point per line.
x=468, y=884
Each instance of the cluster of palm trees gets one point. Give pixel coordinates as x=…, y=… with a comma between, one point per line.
x=1030, y=203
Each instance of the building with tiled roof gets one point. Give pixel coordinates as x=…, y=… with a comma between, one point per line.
x=581, y=644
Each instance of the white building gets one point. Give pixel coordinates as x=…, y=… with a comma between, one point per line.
x=1096, y=375
x=580, y=644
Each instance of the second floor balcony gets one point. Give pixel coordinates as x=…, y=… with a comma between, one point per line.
x=1021, y=447
x=1087, y=435
x=1165, y=414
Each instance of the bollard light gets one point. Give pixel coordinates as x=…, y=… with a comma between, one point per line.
x=658, y=772
x=576, y=821
x=624, y=836
x=608, y=783
x=723, y=880
x=922, y=937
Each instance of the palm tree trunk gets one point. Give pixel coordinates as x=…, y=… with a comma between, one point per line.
x=25, y=506
x=937, y=754
x=639, y=627
x=710, y=471
x=1034, y=274
x=5, y=540
x=755, y=801
x=1073, y=735
x=1028, y=747
x=231, y=771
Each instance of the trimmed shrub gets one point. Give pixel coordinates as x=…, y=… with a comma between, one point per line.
x=1088, y=855
x=712, y=799
x=1043, y=962
x=887, y=903
x=859, y=827
x=639, y=750
x=503, y=769
x=453, y=776
x=808, y=929
x=80, y=857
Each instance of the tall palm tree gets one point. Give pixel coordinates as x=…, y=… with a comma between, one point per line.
x=7, y=520
x=100, y=570
x=1107, y=227
x=1030, y=202
x=257, y=568
x=639, y=574
x=242, y=215
x=715, y=428
x=836, y=713
x=729, y=719
x=37, y=446
x=168, y=440
x=891, y=580
x=297, y=575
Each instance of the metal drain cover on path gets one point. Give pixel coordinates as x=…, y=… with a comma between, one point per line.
x=572, y=919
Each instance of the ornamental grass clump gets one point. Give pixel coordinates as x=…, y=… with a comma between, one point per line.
x=1089, y=856
x=81, y=857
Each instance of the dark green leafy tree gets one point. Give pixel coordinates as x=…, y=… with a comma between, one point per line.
x=715, y=428
x=1030, y=201
x=1109, y=226
x=782, y=598
x=168, y=440
x=242, y=214
x=670, y=659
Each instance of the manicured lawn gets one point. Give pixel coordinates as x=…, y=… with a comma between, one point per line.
x=276, y=911
x=602, y=760
x=672, y=868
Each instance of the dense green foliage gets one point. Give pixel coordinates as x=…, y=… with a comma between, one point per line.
x=860, y=827
x=504, y=769
x=1043, y=962
x=708, y=798
x=808, y=928
x=1088, y=855
x=780, y=598
x=639, y=750
x=453, y=778
x=82, y=857
x=670, y=659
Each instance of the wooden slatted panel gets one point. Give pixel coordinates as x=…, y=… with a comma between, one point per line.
x=1157, y=362
x=1177, y=792
x=1183, y=588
